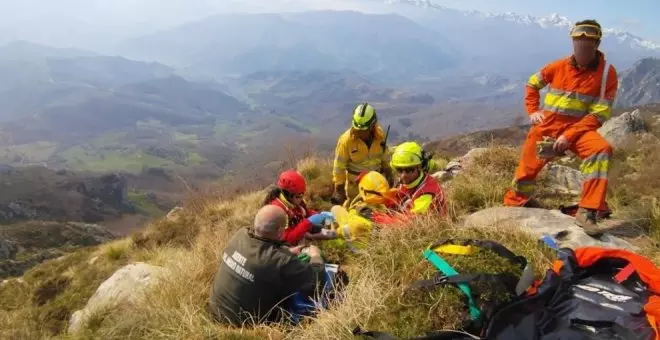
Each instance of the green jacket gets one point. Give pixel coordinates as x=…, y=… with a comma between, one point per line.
x=256, y=277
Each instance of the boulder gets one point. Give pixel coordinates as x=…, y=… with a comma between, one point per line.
x=564, y=179
x=470, y=155
x=455, y=166
x=443, y=176
x=126, y=286
x=542, y=222
x=619, y=129
x=174, y=214
x=8, y=249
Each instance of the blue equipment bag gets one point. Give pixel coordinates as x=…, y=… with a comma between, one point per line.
x=302, y=305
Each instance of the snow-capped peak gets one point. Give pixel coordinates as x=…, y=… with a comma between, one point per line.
x=419, y=3
x=553, y=20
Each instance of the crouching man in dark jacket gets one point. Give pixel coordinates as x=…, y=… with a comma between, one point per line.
x=257, y=273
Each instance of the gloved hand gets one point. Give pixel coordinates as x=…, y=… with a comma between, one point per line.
x=319, y=219
x=339, y=195
x=329, y=234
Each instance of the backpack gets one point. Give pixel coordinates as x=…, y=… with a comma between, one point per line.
x=589, y=293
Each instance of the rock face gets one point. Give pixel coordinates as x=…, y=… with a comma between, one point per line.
x=126, y=286
x=7, y=249
x=174, y=214
x=542, y=222
x=39, y=241
x=37, y=193
x=566, y=180
x=619, y=129
x=639, y=84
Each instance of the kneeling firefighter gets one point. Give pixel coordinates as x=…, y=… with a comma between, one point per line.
x=363, y=147
x=418, y=192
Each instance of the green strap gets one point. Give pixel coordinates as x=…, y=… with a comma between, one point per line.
x=303, y=257
x=447, y=269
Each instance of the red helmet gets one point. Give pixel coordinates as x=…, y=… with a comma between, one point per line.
x=292, y=181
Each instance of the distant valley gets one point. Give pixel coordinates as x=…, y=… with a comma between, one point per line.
x=190, y=106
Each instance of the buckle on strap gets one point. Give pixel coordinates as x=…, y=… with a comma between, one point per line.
x=447, y=269
x=440, y=280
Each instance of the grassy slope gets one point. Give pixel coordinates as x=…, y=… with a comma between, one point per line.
x=375, y=299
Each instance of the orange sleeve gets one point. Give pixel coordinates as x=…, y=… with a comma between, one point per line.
x=599, y=112
x=535, y=83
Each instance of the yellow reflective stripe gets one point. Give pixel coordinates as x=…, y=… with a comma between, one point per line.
x=536, y=81
x=523, y=186
x=339, y=163
x=596, y=166
x=338, y=172
x=567, y=103
x=574, y=95
x=414, y=183
x=602, y=110
x=422, y=204
x=364, y=166
x=338, y=167
x=342, y=159
x=455, y=249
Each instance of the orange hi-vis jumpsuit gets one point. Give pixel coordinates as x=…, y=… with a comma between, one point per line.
x=577, y=103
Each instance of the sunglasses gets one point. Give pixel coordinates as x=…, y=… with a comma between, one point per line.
x=406, y=170
x=589, y=31
x=362, y=126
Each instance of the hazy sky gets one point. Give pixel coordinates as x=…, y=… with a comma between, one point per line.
x=99, y=23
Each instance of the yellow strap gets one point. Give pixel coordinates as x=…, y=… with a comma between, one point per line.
x=455, y=249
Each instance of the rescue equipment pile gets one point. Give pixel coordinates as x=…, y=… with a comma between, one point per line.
x=588, y=293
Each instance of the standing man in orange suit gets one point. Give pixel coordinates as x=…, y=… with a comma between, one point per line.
x=582, y=89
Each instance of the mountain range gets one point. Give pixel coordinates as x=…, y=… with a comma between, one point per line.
x=640, y=84
x=424, y=41
x=186, y=101
x=205, y=93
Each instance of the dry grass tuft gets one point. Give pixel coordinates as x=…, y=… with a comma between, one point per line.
x=318, y=173
x=485, y=181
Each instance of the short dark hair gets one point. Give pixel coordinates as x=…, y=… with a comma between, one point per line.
x=588, y=22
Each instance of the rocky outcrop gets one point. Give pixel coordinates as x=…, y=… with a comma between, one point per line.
x=125, y=287
x=174, y=214
x=40, y=241
x=111, y=190
x=541, y=222
x=12, y=267
x=8, y=249
x=456, y=165
x=639, y=84
x=618, y=130
x=34, y=193
x=564, y=179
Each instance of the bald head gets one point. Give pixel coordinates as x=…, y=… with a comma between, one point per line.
x=269, y=221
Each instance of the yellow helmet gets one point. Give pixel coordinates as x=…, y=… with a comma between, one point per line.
x=407, y=155
x=364, y=117
x=374, y=188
